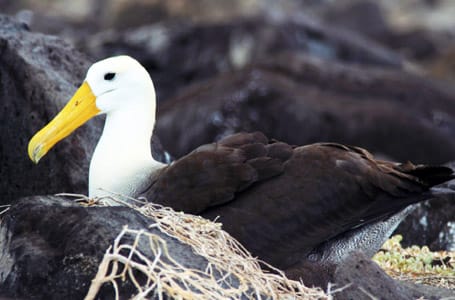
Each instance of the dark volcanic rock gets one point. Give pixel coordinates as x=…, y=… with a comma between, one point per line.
x=358, y=277
x=38, y=74
x=179, y=53
x=51, y=247
x=362, y=16
x=368, y=281
x=432, y=223
x=367, y=17
x=300, y=100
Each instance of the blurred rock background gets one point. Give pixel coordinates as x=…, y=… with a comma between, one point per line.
x=378, y=74
x=423, y=31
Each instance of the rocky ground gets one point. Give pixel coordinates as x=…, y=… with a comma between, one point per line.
x=377, y=74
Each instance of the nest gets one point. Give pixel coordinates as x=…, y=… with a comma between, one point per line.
x=168, y=278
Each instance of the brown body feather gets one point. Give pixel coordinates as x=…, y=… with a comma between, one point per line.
x=282, y=201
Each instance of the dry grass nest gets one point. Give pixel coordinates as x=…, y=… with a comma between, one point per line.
x=417, y=264
x=167, y=277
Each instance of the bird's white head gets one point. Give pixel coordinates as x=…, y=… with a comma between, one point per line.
x=114, y=80
x=116, y=85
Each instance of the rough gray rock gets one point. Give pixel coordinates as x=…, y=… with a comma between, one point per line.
x=50, y=247
x=179, y=53
x=368, y=281
x=359, y=277
x=418, y=42
x=300, y=100
x=432, y=223
x=38, y=75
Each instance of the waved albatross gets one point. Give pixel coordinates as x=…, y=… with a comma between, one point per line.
x=280, y=201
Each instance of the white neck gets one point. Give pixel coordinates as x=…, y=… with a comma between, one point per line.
x=122, y=161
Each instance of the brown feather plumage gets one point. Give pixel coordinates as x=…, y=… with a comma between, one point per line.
x=282, y=201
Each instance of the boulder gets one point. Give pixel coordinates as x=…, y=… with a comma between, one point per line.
x=302, y=100
x=364, y=279
x=432, y=223
x=51, y=247
x=358, y=277
x=39, y=73
x=177, y=53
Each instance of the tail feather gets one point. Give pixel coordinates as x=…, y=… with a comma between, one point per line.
x=432, y=175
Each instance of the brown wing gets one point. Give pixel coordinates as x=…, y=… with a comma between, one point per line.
x=324, y=190
x=280, y=202
x=213, y=174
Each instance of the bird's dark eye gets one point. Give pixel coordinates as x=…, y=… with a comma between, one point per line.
x=109, y=76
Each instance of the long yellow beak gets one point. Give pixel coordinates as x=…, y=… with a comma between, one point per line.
x=77, y=111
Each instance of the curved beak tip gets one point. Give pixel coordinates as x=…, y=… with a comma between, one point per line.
x=35, y=160
x=34, y=153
